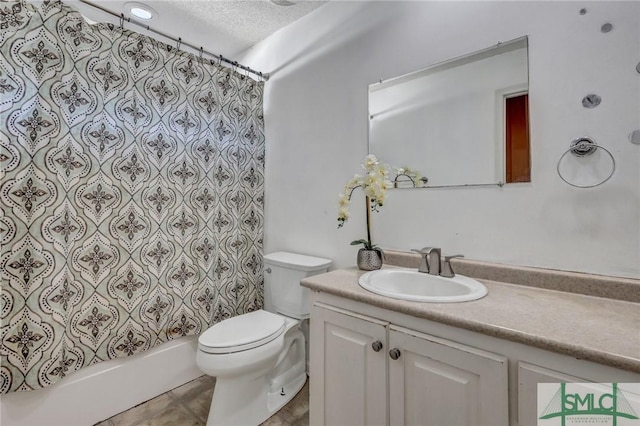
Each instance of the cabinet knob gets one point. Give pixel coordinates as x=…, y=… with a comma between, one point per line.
x=394, y=353
x=377, y=346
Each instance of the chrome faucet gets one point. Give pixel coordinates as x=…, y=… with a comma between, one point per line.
x=430, y=260
x=433, y=257
x=431, y=263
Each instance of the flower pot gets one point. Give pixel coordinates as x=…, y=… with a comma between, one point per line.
x=369, y=260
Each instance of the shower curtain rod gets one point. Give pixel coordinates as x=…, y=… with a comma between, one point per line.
x=179, y=42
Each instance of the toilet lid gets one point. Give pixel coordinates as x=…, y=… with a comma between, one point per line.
x=242, y=332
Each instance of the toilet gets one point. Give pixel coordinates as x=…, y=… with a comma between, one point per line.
x=258, y=358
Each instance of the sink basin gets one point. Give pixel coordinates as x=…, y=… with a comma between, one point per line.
x=408, y=284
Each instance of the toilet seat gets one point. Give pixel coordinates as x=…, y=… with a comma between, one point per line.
x=241, y=333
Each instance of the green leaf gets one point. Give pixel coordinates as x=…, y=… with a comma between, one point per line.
x=356, y=242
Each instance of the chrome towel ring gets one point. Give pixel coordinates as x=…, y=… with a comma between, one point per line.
x=584, y=147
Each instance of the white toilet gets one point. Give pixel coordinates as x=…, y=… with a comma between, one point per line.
x=258, y=358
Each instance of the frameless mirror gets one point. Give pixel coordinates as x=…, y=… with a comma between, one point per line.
x=461, y=122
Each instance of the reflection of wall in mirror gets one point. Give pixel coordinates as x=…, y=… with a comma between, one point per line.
x=460, y=145
x=448, y=124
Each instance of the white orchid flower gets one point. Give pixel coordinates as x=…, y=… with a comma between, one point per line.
x=370, y=161
x=374, y=182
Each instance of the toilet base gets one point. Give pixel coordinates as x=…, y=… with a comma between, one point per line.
x=254, y=407
x=251, y=399
x=276, y=400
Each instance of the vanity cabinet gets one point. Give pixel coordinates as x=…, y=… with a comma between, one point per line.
x=366, y=371
x=378, y=361
x=439, y=382
x=529, y=375
x=348, y=378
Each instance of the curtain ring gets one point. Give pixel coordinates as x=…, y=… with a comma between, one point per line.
x=220, y=58
x=179, y=43
x=200, y=52
x=121, y=20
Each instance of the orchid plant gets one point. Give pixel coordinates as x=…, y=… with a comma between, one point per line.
x=375, y=183
x=410, y=176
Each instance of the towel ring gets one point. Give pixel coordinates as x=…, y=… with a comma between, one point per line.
x=584, y=147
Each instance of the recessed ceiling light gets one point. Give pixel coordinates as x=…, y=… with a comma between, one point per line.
x=141, y=11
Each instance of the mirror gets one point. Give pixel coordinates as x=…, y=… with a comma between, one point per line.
x=462, y=122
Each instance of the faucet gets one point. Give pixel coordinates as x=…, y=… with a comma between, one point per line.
x=431, y=263
x=430, y=260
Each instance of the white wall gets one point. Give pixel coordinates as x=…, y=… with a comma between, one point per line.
x=316, y=129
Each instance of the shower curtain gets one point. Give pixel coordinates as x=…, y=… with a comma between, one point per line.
x=131, y=193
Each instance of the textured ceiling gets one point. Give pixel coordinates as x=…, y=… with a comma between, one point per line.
x=225, y=27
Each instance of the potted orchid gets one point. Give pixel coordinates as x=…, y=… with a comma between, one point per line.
x=375, y=183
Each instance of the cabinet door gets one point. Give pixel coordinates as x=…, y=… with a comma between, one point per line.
x=439, y=382
x=347, y=377
x=529, y=376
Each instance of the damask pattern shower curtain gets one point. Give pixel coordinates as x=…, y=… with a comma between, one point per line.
x=131, y=193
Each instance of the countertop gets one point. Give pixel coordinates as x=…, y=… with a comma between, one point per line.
x=598, y=329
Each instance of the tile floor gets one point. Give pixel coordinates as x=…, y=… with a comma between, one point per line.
x=188, y=405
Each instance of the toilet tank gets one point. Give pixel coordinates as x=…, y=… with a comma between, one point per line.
x=283, y=271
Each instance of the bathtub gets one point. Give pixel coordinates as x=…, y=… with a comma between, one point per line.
x=100, y=391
